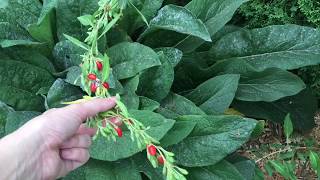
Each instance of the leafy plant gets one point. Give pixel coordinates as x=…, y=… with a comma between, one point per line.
x=178, y=71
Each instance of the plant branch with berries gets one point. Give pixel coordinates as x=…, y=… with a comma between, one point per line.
x=94, y=80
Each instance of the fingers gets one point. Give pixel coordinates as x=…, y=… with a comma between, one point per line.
x=75, y=154
x=85, y=130
x=90, y=108
x=77, y=141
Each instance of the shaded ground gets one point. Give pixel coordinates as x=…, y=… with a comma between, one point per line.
x=272, y=146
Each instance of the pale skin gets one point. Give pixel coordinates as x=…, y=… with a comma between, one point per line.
x=51, y=145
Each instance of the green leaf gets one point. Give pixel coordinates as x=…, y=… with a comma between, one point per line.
x=101, y=170
x=269, y=85
x=302, y=108
x=86, y=20
x=177, y=133
x=281, y=168
x=244, y=165
x=17, y=119
x=215, y=95
x=180, y=105
x=288, y=127
x=108, y=150
x=177, y=19
x=19, y=84
x=215, y=14
x=61, y=92
x=212, y=139
x=220, y=171
x=67, y=14
x=76, y=42
x=129, y=96
x=66, y=54
x=148, y=104
x=4, y=111
x=259, y=129
x=155, y=83
x=284, y=47
x=28, y=55
x=314, y=161
x=173, y=55
x=126, y=62
x=74, y=76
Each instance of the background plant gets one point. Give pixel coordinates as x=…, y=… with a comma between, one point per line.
x=180, y=75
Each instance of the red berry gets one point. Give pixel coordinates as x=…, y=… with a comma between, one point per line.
x=160, y=159
x=92, y=77
x=106, y=85
x=152, y=150
x=93, y=87
x=119, y=131
x=116, y=121
x=99, y=65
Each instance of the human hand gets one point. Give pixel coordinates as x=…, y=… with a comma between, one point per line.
x=51, y=145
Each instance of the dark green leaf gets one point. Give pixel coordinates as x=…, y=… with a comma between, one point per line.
x=19, y=84
x=109, y=150
x=155, y=83
x=148, y=104
x=269, y=85
x=215, y=95
x=215, y=14
x=66, y=55
x=126, y=62
x=302, y=108
x=220, y=171
x=173, y=55
x=130, y=98
x=180, y=105
x=212, y=139
x=177, y=19
x=284, y=47
x=17, y=119
x=61, y=92
x=179, y=131
x=67, y=13
x=4, y=111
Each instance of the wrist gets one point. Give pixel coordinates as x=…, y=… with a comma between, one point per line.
x=19, y=153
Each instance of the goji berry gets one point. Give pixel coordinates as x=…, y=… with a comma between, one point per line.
x=99, y=65
x=152, y=150
x=93, y=87
x=106, y=85
x=160, y=159
x=119, y=131
x=92, y=77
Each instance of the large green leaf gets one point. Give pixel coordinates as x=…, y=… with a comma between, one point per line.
x=132, y=20
x=177, y=19
x=126, y=62
x=220, y=171
x=28, y=55
x=302, y=108
x=269, y=85
x=148, y=104
x=285, y=47
x=43, y=30
x=215, y=14
x=4, y=110
x=174, y=55
x=61, y=92
x=101, y=170
x=17, y=119
x=19, y=84
x=66, y=54
x=155, y=83
x=179, y=131
x=212, y=139
x=180, y=105
x=108, y=150
x=215, y=95
x=67, y=13
x=129, y=96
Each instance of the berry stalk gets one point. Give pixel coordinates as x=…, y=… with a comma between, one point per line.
x=94, y=80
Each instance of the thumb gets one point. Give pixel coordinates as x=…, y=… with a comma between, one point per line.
x=66, y=121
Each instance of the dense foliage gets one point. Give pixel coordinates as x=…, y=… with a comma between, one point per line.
x=198, y=83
